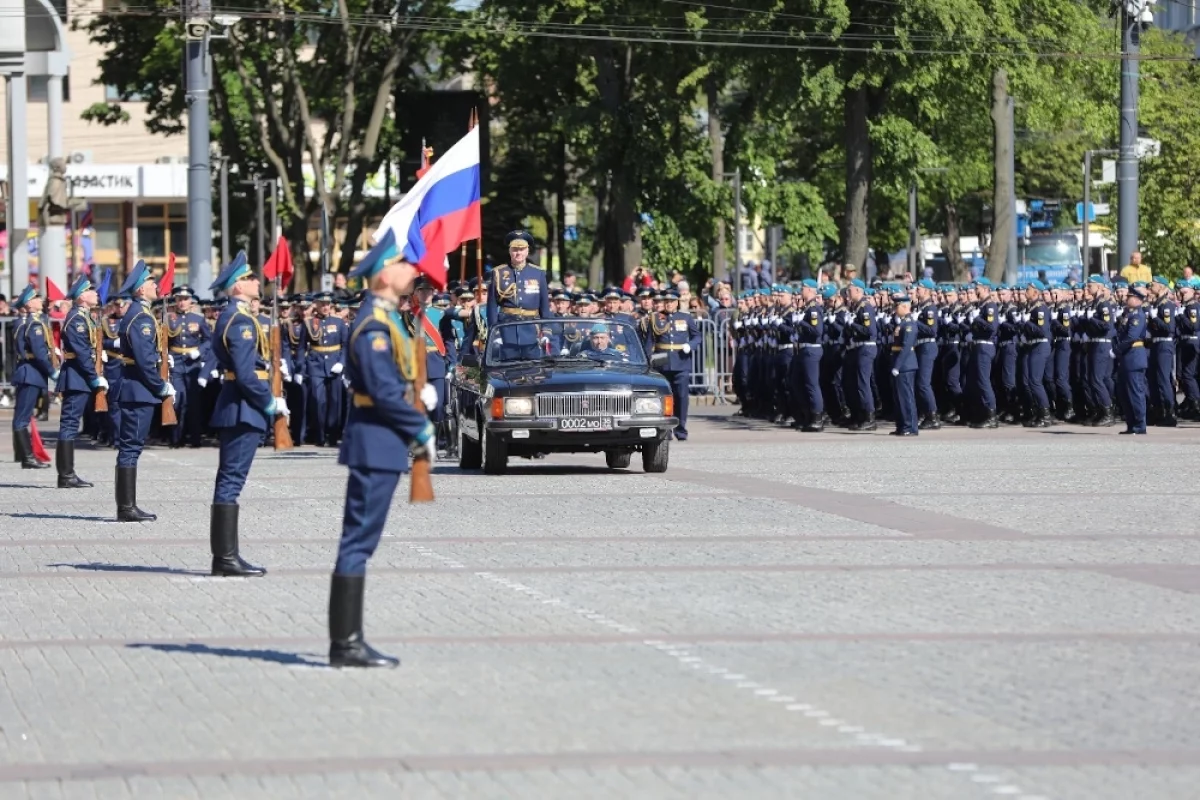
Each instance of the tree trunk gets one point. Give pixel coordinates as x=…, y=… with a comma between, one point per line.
x=560, y=211
x=858, y=180
x=1003, y=214
x=951, y=246
x=596, y=264
x=717, y=144
x=623, y=236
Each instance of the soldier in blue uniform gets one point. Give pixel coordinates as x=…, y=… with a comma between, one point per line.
x=624, y=335
x=983, y=323
x=1061, y=319
x=384, y=427
x=518, y=292
x=1160, y=322
x=600, y=345
x=1035, y=338
x=436, y=366
x=244, y=412
x=807, y=325
x=675, y=333
x=325, y=346
x=80, y=377
x=35, y=368
x=1187, y=328
x=860, y=334
x=904, y=367
x=927, y=355
x=1099, y=325
x=1129, y=346
x=109, y=323
x=188, y=338
x=142, y=388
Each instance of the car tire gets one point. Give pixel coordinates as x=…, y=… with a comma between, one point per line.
x=618, y=459
x=495, y=453
x=470, y=452
x=656, y=454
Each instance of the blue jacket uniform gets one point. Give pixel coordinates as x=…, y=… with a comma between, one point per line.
x=188, y=335
x=904, y=342
x=1161, y=324
x=34, y=345
x=808, y=326
x=140, y=381
x=383, y=420
x=861, y=326
x=1129, y=344
x=241, y=349
x=79, y=352
x=1037, y=328
x=985, y=326
x=325, y=345
x=517, y=294
x=668, y=334
x=112, y=349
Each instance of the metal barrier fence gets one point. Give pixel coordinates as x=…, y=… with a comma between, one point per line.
x=712, y=364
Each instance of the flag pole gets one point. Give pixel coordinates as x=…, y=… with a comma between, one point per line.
x=480, y=291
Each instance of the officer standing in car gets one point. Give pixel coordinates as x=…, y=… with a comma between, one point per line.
x=518, y=293
x=675, y=333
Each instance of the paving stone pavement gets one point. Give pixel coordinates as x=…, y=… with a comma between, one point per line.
x=992, y=614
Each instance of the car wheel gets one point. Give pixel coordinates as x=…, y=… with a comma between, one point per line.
x=618, y=459
x=470, y=455
x=656, y=454
x=495, y=453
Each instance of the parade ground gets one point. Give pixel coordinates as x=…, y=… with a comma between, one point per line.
x=967, y=614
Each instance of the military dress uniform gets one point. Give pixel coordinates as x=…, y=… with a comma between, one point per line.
x=807, y=334
x=1161, y=320
x=188, y=339
x=384, y=426
x=518, y=294
x=983, y=322
x=78, y=380
x=1187, y=329
x=677, y=335
x=244, y=412
x=1129, y=346
x=35, y=368
x=927, y=350
x=904, y=372
x=325, y=348
x=112, y=371
x=1035, y=333
x=142, y=390
x=1099, y=324
x=861, y=348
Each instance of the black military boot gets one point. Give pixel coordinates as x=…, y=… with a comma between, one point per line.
x=23, y=450
x=346, y=645
x=1169, y=420
x=869, y=423
x=127, y=510
x=815, y=423
x=929, y=422
x=64, y=460
x=223, y=537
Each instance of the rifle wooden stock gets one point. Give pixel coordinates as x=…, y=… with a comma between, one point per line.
x=283, y=433
x=102, y=395
x=421, y=490
x=164, y=372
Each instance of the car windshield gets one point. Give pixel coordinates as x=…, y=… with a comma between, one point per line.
x=570, y=339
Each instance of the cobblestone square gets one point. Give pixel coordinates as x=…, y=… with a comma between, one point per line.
x=969, y=614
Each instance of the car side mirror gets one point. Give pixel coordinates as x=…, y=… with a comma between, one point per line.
x=659, y=360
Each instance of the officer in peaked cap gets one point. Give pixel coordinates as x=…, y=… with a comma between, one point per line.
x=244, y=412
x=79, y=379
x=675, y=333
x=1129, y=346
x=326, y=338
x=36, y=367
x=518, y=293
x=385, y=425
x=904, y=366
x=142, y=388
x=189, y=339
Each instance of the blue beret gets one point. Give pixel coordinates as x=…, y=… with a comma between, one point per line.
x=134, y=280
x=1098, y=279
x=764, y=291
x=233, y=272
x=1159, y=279
x=983, y=282
x=926, y=283
x=81, y=285
x=377, y=256
x=870, y=292
x=857, y=282
x=599, y=328
x=27, y=294
x=518, y=236
x=809, y=283
x=829, y=290
x=1041, y=287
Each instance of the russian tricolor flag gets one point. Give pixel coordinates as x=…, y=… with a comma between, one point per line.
x=441, y=212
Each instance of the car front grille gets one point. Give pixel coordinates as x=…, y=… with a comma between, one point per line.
x=585, y=404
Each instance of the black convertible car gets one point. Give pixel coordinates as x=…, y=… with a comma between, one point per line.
x=560, y=386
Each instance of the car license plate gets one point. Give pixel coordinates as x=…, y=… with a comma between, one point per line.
x=585, y=424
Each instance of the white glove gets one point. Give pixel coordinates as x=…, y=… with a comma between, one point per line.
x=284, y=371
x=101, y=383
x=895, y=373
x=169, y=390
x=1111, y=354
x=336, y=369
x=1090, y=313
x=117, y=343
x=687, y=348
x=202, y=382
x=193, y=354
x=498, y=341
x=737, y=324
x=298, y=379
x=104, y=357
x=214, y=374
x=346, y=382
x=564, y=352
x=171, y=362
x=429, y=397
x=58, y=352
x=281, y=407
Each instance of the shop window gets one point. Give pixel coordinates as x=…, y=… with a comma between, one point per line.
x=106, y=226
x=162, y=229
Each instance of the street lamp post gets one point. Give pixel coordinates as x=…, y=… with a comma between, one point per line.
x=1087, y=205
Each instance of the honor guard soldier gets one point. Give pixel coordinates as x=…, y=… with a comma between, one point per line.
x=109, y=321
x=808, y=333
x=675, y=333
x=1129, y=345
x=385, y=425
x=861, y=349
x=1161, y=321
x=904, y=367
x=142, y=388
x=244, y=412
x=927, y=319
x=188, y=338
x=982, y=324
x=1187, y=326
x=1099, y=324
x=518, y=292
x=600, y=345
x=1035, y=335
x=80, y=377
x=35, y=368
x=326, y=348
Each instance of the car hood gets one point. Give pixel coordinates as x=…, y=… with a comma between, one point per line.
x=529, y=379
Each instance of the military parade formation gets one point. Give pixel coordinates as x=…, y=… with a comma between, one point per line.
x=926, y=355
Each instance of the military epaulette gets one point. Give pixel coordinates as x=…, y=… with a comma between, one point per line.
x=535, y=266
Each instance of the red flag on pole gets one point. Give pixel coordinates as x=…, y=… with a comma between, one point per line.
x=280, y=264
x=167, y=282
x=53, y=293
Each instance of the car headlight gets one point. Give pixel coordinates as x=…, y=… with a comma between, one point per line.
x=518, y=406
x=648, y=405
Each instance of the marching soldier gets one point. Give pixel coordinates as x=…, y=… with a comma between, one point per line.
x=80, y=378
x=518, y=292
x=384, y=427
x=1161, y=320
x=142, y=388
x=927, y=355
x=904, y=367
x=675, y=333
x=860, y=337
x=983, y=323
x=1187, y=326
x=36, y=367
x=808, y=332
x=1129, y=346
x=244, y=412
x=1035, y=334
x=1099, y=324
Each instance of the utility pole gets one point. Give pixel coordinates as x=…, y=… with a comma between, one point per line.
x=1133, y=14
x=197, y=16
x=224, y=210
x=1087, y=206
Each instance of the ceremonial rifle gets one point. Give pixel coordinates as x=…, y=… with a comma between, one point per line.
x=164, y=370
x=102, y=395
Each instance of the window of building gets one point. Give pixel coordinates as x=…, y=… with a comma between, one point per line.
x=106, y=226
x=113, y=95
x=161, y=230
x=37, y=88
